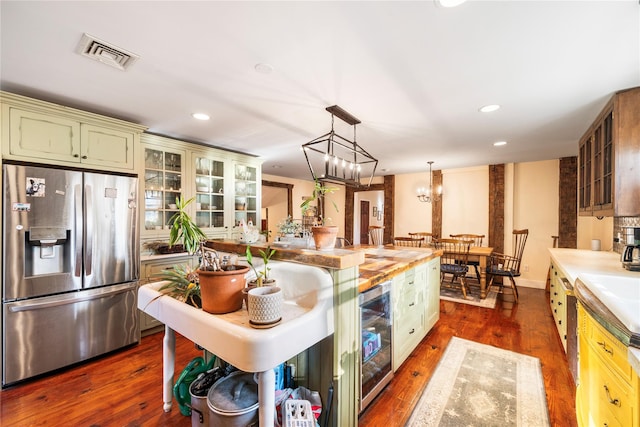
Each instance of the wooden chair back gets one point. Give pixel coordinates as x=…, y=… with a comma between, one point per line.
x=376, y=233
x=454, y=251
x=428, y=237
x=477, y=238
x=519, y=241
x=408, y=241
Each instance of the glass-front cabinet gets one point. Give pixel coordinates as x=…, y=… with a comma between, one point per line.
x=226, y=186
x=246, y=194
x=163, y=181
x=209, y=191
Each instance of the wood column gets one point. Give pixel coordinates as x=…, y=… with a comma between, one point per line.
x=388, y=188
x=436, y=206
x=496, y=207
x=568, y=203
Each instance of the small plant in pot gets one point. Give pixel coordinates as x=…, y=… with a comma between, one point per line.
x=264, y=303
x=262, y=276
x=324, y=235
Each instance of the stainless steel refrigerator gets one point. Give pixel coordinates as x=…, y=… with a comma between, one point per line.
x=70, y=248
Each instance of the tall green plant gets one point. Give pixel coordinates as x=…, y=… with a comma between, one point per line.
x=184, y=229
x=319, y=190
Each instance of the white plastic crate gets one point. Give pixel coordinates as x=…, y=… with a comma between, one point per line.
x=297, y=413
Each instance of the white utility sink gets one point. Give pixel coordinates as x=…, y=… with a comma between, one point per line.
x=307, y=319
x=621, y=295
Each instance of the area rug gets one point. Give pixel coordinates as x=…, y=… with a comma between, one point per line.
x=454, y=294
x=480, y=385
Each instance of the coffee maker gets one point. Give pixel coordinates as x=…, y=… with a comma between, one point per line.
x=631, y=253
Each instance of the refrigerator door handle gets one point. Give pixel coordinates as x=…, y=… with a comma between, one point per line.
x=78, y=230
x=15, y=308
x=88, y=234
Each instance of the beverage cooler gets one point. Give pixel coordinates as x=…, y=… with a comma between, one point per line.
x=376, y=365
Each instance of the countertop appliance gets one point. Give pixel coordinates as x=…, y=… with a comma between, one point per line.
x=376, y=364
x=70, y=267
x=631, y=257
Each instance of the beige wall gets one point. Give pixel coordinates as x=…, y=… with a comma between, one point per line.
x=535, y=207
x=302, y=189
x=410, y=214
x=465, y=201
x=590, y=227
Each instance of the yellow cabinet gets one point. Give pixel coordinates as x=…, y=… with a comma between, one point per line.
x=609, y=390
x=44, y=132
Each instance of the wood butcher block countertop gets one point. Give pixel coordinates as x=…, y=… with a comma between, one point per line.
x=376, y=263
x=383, y=263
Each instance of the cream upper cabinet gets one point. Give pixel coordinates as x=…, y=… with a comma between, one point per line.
x=42, y=132
x=44, y=136
x=209, y=182
x=102, y=146
x=225, y=186
x=247, y=185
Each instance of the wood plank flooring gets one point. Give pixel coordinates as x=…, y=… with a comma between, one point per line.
x=124, y=388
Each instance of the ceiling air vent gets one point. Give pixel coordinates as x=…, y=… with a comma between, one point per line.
x=108, y=54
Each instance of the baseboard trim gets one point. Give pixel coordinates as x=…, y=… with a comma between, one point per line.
x=536, y=284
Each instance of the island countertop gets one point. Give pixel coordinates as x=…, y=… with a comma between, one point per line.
x=376, y=263
x=608, y=291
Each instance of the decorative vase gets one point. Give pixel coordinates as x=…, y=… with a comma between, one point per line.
x=265, y=305
x=324, y=236
x=221, y=291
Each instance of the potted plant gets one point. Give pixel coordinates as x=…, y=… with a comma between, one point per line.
x=289, y=228
x=262, y=276
x=264, y=303
x=324, y=235
x=220, y=286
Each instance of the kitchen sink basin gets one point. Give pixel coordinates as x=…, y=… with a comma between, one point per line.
x=307, y=318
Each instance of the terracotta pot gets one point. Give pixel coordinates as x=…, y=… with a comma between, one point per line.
x=324, y=237
x=221, y=291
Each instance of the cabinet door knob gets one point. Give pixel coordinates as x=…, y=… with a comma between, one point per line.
x=84, y=157
x=412, y=331
x=76, y=155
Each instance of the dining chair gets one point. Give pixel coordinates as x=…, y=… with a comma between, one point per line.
x=428, y=237
x=408, y=241
x=453, y=261
x=341, y=242
x=376, y=233
x=502, y=265
x=477, y=241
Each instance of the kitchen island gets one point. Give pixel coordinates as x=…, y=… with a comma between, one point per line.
x=609, y=335
x=353, y=270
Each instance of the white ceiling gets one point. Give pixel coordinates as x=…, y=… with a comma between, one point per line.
x=413, y=72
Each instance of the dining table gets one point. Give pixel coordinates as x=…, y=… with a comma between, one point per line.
x=481, y=255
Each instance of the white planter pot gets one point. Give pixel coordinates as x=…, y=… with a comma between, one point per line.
x=265, y=306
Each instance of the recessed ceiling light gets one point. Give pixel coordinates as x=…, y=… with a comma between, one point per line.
x=499, y=143
x=450, y=3
x=489, y=108
x=200, y=116
x=264, y=68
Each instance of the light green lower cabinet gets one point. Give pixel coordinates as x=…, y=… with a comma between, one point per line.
x=416, y=308
x=148, y=271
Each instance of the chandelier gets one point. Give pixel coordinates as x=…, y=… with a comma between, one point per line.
x=426, y=194
x=333, y=158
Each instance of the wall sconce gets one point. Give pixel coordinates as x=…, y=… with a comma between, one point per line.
x=333, y=158
x=427, y=194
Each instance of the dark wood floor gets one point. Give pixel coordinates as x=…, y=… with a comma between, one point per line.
x=124, y=389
